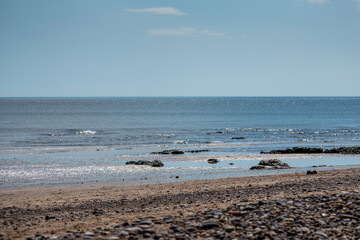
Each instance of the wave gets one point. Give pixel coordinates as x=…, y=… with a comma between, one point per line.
x=85, y=132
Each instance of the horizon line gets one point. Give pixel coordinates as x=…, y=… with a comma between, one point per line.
x=170, y=96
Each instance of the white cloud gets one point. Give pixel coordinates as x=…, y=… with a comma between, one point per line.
x=183, y=31
x=159, y=11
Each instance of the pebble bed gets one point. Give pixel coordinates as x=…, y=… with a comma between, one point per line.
x=324, y=207
x=318, y=216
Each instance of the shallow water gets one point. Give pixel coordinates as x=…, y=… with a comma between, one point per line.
x=109, y=165
x=56, y=140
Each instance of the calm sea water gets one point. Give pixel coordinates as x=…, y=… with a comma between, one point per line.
x=51, y=140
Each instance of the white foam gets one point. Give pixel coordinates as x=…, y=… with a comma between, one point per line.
x=86, y=132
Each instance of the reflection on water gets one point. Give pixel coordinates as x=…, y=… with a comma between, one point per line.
x=102, y=165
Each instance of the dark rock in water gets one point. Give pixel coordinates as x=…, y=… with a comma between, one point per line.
x=340, y=150
x=319, y=166
x=213, y=161
x=270, y=164
x=344, y=150
x=155, y=163
x=311, y=172
x=198, y=151
x=237, y=138
x=295, y=150
x=173, y=151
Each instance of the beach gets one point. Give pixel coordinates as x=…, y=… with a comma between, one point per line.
x=224, y=208
x=69, y=168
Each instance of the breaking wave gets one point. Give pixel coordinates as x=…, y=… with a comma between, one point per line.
x=86, y=132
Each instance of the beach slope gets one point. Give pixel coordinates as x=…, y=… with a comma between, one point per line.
x=322, y=205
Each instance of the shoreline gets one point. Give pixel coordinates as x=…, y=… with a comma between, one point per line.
x=55, y=209
x=187, y=167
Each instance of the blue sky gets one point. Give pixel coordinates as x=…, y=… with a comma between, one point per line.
x=180, y=48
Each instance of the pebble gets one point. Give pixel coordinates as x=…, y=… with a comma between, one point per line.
x=209, y=225
x=88, y=233
x=123, y=234
x=134, y=230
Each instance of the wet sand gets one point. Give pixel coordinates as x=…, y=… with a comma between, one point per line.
x=100, y=211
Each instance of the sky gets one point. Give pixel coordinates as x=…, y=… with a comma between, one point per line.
x=179, y=48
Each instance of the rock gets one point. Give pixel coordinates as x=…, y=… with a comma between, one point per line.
x=173, y=151
x=295, y=150
x=198, y=151
x=270, y=164
x=322, y=234
x=134, y=230
x=155, y=163
x=49, y=217
x=123, y=234
x=311, y=172
x=209, y=225
x=340, y=150
x=88, y=233
x=113, y=238
x=146, y=222
x=229, y=228
x=158, y=236
x=212, y=161
x=304, y=229
x=236, y=221
x=149, y=231
x=344, y=150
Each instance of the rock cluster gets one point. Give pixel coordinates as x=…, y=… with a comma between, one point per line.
x=155, y=163
x=308, y=150
x=318, y=216
x=198, y=151
x=173, y=151
x=270, y=164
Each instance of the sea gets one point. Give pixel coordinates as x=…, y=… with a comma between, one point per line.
x=89, y=140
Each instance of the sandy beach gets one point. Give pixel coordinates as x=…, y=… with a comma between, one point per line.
x=177, y=210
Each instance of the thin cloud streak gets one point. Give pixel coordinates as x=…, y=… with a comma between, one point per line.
x=212, y=33
x=158, y=11
x=183, y=31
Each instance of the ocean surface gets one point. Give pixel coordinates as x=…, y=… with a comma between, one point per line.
x=75, y=140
